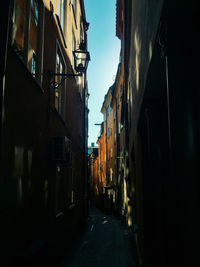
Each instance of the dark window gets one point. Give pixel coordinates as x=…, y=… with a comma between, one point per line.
x=59, y=90
x=33, y=64
x=26, y=37
x=33, y=36
x=19, y=19
x=74, y=7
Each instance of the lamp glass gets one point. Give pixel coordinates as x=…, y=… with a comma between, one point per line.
x=81, y=58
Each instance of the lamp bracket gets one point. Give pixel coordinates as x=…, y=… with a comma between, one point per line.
x=54, y=84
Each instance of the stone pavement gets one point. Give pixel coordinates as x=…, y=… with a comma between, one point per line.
x=105, y=243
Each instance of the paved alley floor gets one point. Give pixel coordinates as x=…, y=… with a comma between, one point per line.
x=105, y=243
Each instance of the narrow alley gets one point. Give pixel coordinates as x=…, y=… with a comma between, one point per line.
x=106, y=242
x=99, y=107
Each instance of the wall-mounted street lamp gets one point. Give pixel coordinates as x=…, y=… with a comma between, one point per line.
x=81, y=60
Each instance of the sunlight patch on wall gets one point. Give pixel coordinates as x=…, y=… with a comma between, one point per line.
x=79, y=80
x=150, y=51
x=129, y=215
x=72, y=196
x=137, y=44
x=124, y=198
x=114, y=197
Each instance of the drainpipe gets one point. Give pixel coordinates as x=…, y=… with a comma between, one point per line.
x=168, y=105
x=163, y=34
x=84, y=156
x=4, y=29
x=148, y=129
x=85, y=166
x=85, y=145
x=4, y=22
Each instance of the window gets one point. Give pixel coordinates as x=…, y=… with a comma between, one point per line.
x=107, y=111
x=74, y=4
x=33, y=37
x=61, y=12
x=119, y=127
x=120, y=56
x=59, y=91
x=27, y=34
x=105, y=116
x=118, y=101
x=34, y=9
x=73, y=47
x=81, y=32
x=111, y=129
x=121, y=90
x=33, y=64
x=109, y=108
x=19, y=18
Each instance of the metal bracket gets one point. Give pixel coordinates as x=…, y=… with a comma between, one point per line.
x=54, y=84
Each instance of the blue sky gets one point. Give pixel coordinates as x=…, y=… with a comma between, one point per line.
x=104, y=48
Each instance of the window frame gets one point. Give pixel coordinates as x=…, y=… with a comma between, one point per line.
x=62, y=87
x=40, y=38
x=74, y=7
x=33, y=18
x=19, y=52
x=74, y=43
x=61, y=13
x=82, y=37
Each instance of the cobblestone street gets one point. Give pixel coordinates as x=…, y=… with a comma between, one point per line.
x=106, y=242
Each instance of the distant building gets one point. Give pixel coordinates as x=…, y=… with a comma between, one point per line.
x=110, y=149
x=93, y=172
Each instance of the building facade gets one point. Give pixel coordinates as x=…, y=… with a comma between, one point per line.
x=43, y=123
x=102, y=158
x=110, y=149
x=160, y=110
x=93, y=174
